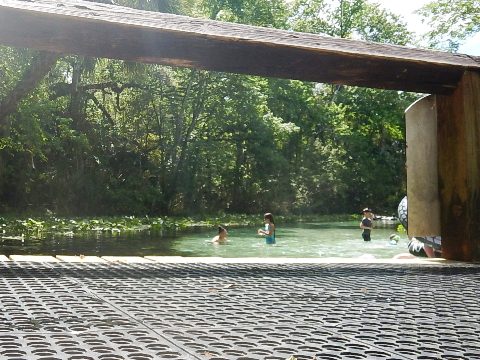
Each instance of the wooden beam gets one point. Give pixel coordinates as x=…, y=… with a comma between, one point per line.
x=100, y=30
x=459, y=169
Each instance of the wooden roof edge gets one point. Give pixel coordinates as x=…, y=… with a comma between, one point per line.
x=217, y=30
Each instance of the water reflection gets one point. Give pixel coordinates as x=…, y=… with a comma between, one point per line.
x=135, y=244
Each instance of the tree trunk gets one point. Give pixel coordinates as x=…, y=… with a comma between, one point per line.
x=237, y=194
x=39, y=67
x=77, y=96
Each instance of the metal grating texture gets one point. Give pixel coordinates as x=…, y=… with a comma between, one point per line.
x=81, y=311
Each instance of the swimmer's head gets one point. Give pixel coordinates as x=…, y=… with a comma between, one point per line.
x=269, y=216
x=394, y=237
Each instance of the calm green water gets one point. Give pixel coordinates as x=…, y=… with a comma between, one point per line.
x=305, y=240
x=342, y=239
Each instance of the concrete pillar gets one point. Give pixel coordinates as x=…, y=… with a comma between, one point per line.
x=422, y=169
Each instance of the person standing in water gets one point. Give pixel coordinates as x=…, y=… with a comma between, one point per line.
x=269, y=231
x=221, y=238
x=366, y=224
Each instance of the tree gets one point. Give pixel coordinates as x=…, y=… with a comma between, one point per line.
x=357, y=136
x=39, y=65
x=358, y=19
x=269, y=13
x=100, y=137
x=451, y=22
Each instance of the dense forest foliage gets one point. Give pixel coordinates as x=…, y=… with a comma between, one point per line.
x=83, y=136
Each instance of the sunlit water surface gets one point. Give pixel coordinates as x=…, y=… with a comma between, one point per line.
x=341, y=239
x=305, y=240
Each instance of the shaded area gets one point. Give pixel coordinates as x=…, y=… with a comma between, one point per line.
x=135, y=243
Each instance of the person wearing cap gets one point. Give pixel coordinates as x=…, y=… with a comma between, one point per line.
x=366, y=224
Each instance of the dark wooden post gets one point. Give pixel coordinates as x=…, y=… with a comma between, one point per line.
x=459, y=169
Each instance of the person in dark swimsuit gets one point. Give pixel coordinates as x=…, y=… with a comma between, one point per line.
x=366, y=224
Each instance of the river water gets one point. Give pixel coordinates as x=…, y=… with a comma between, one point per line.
x=310, y=240
x=300, y=240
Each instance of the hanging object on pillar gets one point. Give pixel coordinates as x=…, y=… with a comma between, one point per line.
x=430, y=246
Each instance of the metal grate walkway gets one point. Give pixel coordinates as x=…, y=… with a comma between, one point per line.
x=110, y=311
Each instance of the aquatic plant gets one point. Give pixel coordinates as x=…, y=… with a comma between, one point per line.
x=42, y=226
